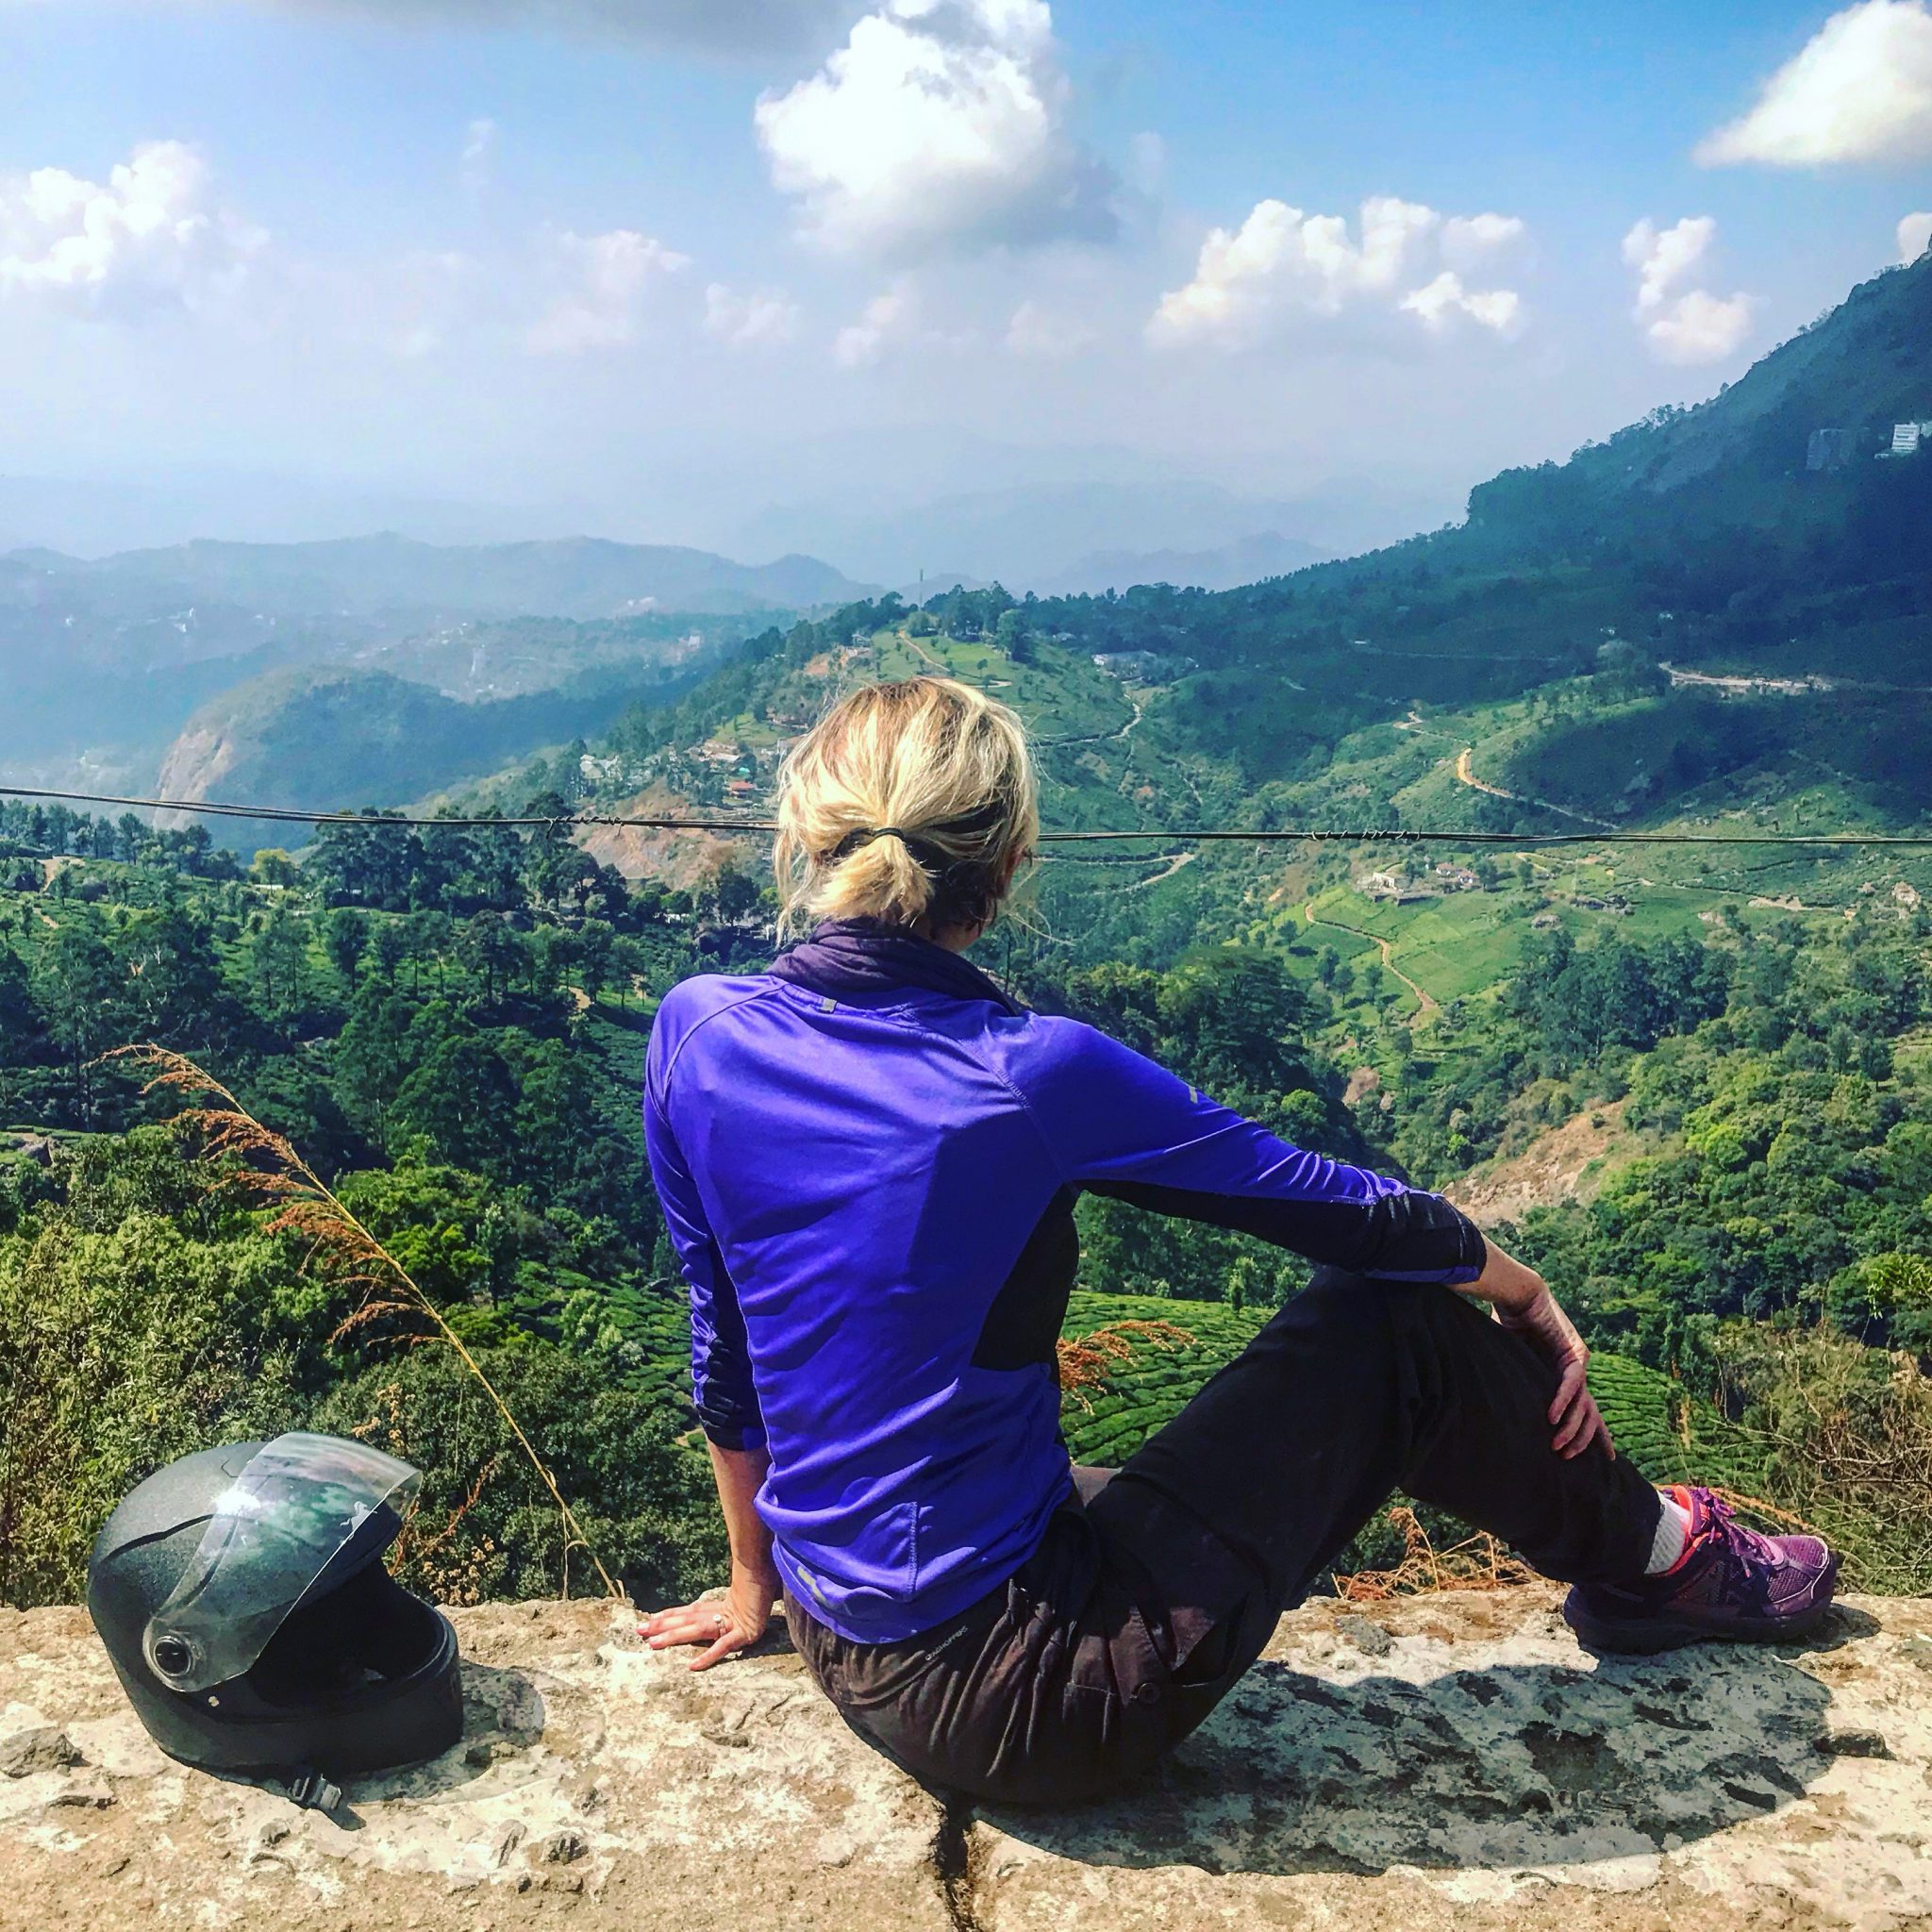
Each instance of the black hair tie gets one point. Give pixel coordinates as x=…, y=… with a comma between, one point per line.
x=927, y=855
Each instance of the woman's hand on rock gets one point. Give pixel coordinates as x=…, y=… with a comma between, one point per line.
x=724, y=1626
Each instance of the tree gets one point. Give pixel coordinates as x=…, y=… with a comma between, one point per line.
x=278, y=964
x=77, y=986
x=172, y=984
x=120, y=1349
x=20, y=1019
x=370, y=1056
x=389, y=947
x=460, y=1092
x=345, y=938
x=491, y=950
x=1013, y=638
x=595, y=939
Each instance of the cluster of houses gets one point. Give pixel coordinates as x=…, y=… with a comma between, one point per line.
x=1832, y=449
x=1142, y=667
x=1401, y=890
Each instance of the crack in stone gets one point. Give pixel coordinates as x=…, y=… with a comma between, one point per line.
x=959, y=1853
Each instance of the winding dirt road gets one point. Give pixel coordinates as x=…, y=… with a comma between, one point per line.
x=1426, y=1000
x=1465, y=775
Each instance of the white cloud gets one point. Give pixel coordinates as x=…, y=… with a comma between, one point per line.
x=1914, y=237
x=1282, y=263
x=1663, y=257
x=608, y=282
x=1700, y=327
x=1859, y=91
x=152, y=238
x=479, y=154
x=1038, y=334
x=1683, y=325
x=761, y=318
x=1437, y=303
x=892, y=322
x=1470, y=239
x=939, y=124
x=886, y=319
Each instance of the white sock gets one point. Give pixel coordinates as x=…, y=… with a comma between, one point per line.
x=1673, y=1533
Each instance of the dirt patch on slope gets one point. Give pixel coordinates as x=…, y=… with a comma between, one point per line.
x=1568, y=1162
x=674, y=859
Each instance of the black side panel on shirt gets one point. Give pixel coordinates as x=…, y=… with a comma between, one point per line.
x=724, y=1420
x=1024, y=1323
x=1399, y=1235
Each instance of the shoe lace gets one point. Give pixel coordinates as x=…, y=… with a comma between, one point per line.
x=1754, y=1554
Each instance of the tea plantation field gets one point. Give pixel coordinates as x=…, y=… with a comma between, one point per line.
x=1671, y=1436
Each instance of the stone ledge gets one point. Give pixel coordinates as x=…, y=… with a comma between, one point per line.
x=1452, y=1761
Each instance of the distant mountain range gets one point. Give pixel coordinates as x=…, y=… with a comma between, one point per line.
x=1248, y=560
x=385, y=575
x=1061, y=537
x=105, y=659
x=1758, y=525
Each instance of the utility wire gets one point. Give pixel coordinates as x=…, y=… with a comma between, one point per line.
x=1182, y=835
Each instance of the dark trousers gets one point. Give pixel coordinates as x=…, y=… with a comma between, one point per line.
x=1149, y=1596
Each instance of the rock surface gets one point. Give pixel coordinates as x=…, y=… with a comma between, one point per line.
x=1449, y=1761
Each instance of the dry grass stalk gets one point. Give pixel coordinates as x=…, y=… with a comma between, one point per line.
x=1478, y=1562
x=1848, y=1435
x=267, y=1165
x=1087, y=1362
x=1770, y=1512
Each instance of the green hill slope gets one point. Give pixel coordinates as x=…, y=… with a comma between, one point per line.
x=351, y=739
x=1671, y=1436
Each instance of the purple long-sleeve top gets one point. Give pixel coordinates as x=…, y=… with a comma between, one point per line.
x=868, y=1167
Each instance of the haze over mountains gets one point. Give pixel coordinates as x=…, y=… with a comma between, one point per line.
x=1764, y=506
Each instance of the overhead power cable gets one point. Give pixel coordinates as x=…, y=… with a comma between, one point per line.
x=1172, y=835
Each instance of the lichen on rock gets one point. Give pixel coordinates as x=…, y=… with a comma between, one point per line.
x=1450, y=1759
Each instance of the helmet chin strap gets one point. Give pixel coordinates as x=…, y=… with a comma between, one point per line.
x=308, y=1790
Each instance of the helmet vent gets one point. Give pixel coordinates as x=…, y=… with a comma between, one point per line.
x=172, y=1656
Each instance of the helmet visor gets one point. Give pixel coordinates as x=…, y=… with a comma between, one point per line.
x=299, y=1501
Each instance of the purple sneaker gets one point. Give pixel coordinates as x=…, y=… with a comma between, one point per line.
x=1731, y=1583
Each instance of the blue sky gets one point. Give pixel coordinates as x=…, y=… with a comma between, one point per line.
x=693, y=269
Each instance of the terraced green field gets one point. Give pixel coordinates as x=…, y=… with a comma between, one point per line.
x=1670, y=1436
x=1105, y=1426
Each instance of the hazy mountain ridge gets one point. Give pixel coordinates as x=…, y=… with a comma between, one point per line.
x=1062, y=538
x=327, y=737
x=383, y=575
x=1225, y=567
x=105, y=660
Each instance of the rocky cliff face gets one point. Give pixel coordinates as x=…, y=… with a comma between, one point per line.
x=1447, y=1761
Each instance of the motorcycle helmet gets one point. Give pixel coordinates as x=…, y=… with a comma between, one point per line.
x=241, y=1596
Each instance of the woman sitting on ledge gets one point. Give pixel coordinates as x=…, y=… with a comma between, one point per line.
x=868, y=1156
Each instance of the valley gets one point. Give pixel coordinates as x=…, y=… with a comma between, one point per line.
x=1691, y=1082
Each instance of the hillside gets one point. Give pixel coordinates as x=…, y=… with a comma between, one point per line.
x=104, y=662
x=292, y=737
